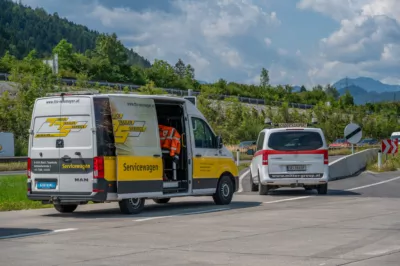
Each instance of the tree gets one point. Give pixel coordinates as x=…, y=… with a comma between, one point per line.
x=332, y=92
x=109, y=48
x=346, y=100
x=264, y=77
x=303, y=89
x=180, y=68
x=64, y=50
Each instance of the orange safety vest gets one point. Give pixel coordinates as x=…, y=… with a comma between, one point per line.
x=170, y=139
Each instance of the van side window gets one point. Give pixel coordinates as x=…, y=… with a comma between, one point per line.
x=260, y=141
x=104, y=130
x=203, y=136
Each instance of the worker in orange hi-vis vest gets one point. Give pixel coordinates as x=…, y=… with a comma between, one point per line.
x=170, y=139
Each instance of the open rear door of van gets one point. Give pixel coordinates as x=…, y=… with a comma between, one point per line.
x=139, y=158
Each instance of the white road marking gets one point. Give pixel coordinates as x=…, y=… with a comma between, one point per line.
x=180, y=214
x=39, y=233
x=383, y=251
x=350, y=189
x=241, y=180
x=64, y=230
x=289, y=199
x=374, y=184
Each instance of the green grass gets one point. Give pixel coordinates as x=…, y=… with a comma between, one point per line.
x=243, y=166
x=18, y=166
x=13, y=191
x=392, y=163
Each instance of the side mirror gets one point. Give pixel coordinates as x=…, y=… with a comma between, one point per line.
x=250, y=152
x=220, y=143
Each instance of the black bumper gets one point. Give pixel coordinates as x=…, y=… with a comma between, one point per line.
x=66, y=197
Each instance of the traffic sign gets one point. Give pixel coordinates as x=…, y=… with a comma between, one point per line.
x=390, y=146
x=353, y=133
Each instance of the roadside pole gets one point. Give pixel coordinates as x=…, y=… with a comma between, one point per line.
x=379, y=159
x=237, y=157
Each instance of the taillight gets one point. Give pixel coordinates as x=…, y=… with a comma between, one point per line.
x=28, y=168
x=326, y=157
x=98, y=167
x=265, y=157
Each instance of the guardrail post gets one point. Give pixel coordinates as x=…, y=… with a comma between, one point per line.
x=237, y=157
x=379, y=159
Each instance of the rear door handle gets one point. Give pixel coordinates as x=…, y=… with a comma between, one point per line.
x=198, y=155
x=156, y=155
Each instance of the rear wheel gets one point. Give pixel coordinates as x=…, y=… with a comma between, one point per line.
x=131, y=206
x=224, y=193
x=262, y=189
x=65, y=208
x=322, y=189
x=162, y=201
x=253, y=186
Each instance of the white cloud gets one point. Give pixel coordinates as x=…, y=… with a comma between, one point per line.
x=366, y=42
x=268, y=41
x=205, y=33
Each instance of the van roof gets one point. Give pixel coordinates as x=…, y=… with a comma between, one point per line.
x=278, y=129
x=191, y=108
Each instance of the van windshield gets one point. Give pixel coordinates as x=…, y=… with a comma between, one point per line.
x=295, y=141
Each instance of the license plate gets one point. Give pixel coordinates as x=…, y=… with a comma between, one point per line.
x=46, y=185
x=296, y=168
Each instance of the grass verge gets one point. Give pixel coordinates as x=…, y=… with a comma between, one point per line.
x=13, y=194
x=391, y=163
x=17, y=166
x=243, y=166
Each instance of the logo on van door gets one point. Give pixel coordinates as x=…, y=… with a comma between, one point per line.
x=126, y=128
x=62, y=125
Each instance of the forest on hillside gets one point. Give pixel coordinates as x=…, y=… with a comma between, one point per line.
x=23, y=29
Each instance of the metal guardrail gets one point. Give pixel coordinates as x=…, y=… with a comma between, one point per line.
x=179, y=92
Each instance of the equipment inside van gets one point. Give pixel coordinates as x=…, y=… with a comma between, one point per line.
x=106, y=147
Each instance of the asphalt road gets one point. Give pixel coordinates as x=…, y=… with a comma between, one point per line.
x=356, y=224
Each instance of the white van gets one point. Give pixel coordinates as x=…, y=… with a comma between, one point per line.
x=290, y=157
x=395, y=135
x=106, y=147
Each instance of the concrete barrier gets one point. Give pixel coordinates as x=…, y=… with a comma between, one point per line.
x=352, y=164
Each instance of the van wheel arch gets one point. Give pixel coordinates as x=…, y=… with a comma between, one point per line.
x=230, y=176
x=226, y=183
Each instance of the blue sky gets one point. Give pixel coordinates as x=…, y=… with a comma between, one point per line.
x=299, y=41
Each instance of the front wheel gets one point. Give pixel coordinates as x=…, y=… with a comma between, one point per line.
x=65, y=208
x=224, y=193
x=131, y=206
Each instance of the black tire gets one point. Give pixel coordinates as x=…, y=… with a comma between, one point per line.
x=65, y=208
x=162, y=201
x=131, y=206
x=225, y=190
x=253, y=186
x=322, y=189
x=262, y=189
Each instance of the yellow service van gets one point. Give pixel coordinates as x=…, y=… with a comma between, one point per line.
x=106, y=147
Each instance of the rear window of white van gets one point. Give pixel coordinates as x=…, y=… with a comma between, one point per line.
x=295, y=140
